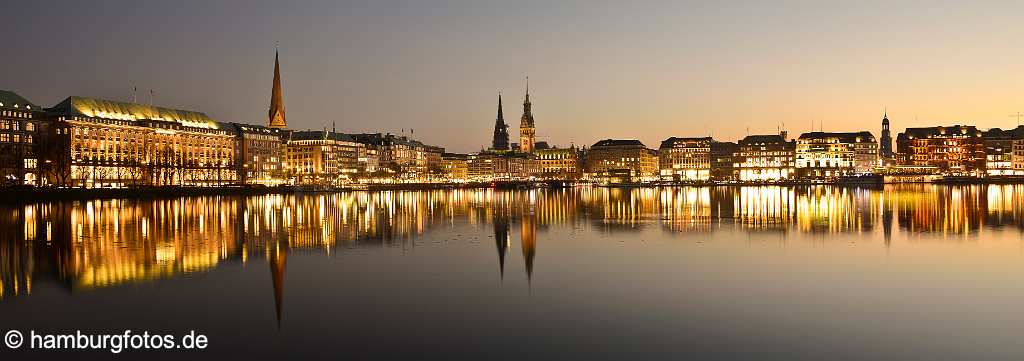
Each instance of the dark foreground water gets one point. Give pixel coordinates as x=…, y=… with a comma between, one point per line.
x=909, y=272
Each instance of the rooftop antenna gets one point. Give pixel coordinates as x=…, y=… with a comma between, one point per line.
x=151, y=95
x=1018, y=115
x=135, y=89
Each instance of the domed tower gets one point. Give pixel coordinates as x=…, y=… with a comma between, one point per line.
x=527, y=129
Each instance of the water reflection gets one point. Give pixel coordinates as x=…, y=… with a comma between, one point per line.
x=87, y=244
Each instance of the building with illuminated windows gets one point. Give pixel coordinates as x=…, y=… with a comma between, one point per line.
x=622, y=160
x=685, y=159
x=260, y=154
x=999, y=151
x=405, y=158
x=958, y=149
x=19, y=164
x=558, y=163
x=826, y=155
x=454, y=167
x=490, y=166
x=92, y=142
x=323, y=157
x=1017, y=156
x=765, y=158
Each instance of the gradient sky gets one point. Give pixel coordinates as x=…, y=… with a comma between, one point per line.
x=598, y=69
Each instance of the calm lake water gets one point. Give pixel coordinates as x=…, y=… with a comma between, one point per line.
x=906, y=272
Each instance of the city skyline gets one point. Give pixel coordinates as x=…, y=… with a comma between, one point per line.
x=595, y=75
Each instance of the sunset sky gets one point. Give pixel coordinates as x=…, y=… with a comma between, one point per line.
x=598, y=69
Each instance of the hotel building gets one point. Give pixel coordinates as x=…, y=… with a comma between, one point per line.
x=824, y=155
x=765, y=158
x=323, y=158
x=622, y=160
x=103, y=143
x=454, y=167
x=958, y=149
x=685, y=159
x=261, y=152
x=558, y=163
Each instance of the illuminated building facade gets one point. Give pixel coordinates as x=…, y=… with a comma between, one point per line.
x=406, y=158
x=19, y=163
x=501, y=166
x=480, y=167
x=1017, y=158
x=999, y=151
x=622, y=159
x=323, y=158
x=261, y=152
x=685, y=159
x=765, y=158
x=825, y=155
x=958, y=149
x=454, y=167
x=102, y=143
x=558, y=163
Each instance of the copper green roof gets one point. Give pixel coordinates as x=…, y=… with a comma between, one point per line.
x=109, y=109
x=9, y=99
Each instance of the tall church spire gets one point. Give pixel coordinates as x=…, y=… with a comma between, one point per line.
x=500, y=138
x=527, y=129
x=275, y=118
x=500, y=116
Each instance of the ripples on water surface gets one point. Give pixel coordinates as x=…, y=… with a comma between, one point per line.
x=904, y=272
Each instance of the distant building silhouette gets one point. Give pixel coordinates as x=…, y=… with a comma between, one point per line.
x=885, y=143
x=500, y=140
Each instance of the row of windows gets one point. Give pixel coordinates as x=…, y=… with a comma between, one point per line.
x=8, y=124
x=14, y=138
x=15, y=114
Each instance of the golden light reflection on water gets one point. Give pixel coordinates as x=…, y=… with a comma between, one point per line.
x=87, y=244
